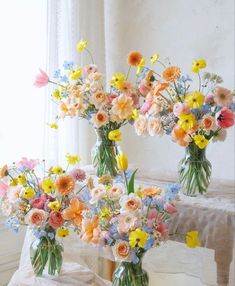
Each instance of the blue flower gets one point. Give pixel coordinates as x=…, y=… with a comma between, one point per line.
x=51, y=235
x=143, y=73
x=56, y=74
x=109, y=239
x=68, y=65
x=134, y=258
x=147, y=229
x=147, y=201
x=172, y=191
x=85, y=195
x=13, y=224
x=149, y=243
x=185, y=78
x=64, y=78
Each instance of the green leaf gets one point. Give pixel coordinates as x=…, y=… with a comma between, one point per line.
x=131, y=183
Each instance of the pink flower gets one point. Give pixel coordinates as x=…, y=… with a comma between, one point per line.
x=110, y=98
x=223, y=96
x=3, y=189
x=170, y=208
x=143, y=88
x=36, y=217
x=135, y=99
x=179, y=108
x=55, y=220
x=87, y=70
x=162, y=228
x=78, y=175
x=28, y=164
x=146, y=106
x=152, y=216
x=209, y=99
x=224, y=118
x=41, y=79
x=39, y=203
x=130, y=203
x=127, y=222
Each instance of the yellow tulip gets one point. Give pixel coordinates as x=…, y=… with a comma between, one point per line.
x=122, y=162
x=154, y=58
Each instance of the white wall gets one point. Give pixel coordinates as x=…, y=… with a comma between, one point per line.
x=182, y=30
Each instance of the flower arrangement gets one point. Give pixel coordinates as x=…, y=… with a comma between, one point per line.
x=80, y=92
x=46, y=202
x=193, y=117
x=129, y=219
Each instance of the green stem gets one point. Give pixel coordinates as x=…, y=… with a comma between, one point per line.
x=90, y=54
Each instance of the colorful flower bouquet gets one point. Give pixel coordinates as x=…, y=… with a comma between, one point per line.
x=129, y=219
x=80, y=92
x=46, y=201
x=193, y=117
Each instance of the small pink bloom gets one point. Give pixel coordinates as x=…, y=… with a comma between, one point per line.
x=170, y=208
x=224, y=118
x=162, y=228
x=3, y=189
x=27, y=163
x=38, y=203
x=41, y=79
x=78, y=175
x=209, y=99
x=146, y=106
x=55, y=220
x=127, y=222
x=110, y=98
x=143, y=88
x=87, y=70
x=135, y=99
x=179, y=108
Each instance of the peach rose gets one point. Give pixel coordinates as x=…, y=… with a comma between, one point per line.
x=36, y=217
x=130, y=203
x=121, y=250
x=100, y=119
x=154, y=126
x=140, y=125
x=208, y=122
x=116, y=191
x=127, y=222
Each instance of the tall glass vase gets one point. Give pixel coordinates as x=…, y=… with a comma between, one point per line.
x=104, y=154
x=46, y=256
x=194, y=171
x=128, y=273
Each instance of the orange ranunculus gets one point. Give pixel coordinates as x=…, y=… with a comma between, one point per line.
x=74, y=211
x=170, y=74
x=159, y=87
x=64, y=185
x=134, y=58
x=90, y=231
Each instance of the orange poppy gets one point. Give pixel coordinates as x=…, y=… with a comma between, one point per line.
x=134, y=58
x=90, y=231
x=171, y=73
x=74, y=211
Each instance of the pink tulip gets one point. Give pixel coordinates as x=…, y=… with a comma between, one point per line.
x=135, y=99
x=146, y=106
x=3, y=189
x=111, y=97
x=170, y=208
x=224, y=118
x=143, y=88
x=41, y=79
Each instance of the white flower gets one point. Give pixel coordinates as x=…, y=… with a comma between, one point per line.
x=154, y=126
x=97, y=194
x=116, y=191
x=140, y=125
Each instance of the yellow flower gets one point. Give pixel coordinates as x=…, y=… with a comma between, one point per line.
x=138, y=237
x=105, y=213
x=28, y=193
x=198, y=64
x=53, y=125
x=195, y=99
x=115, y=135
x=75, y=74
x=140, y=66
x=117, y=80
x=105, y=180
x=154, y=58
x=3, y=171
x=55, y=206
x=22, y=179
x=13, y=182
x=135, y=114
x=200, y=141
x=187, y=121
x=62, y=232
x=122, y=162
x=81, y=45
x=57, y=170
x=192, y=239
x=56, y=94
x=72, y=159
x=48, y=185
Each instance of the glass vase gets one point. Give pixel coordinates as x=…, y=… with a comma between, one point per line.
x=46, y=256
x=194, y=171
x=104, y=155
x=128, y=273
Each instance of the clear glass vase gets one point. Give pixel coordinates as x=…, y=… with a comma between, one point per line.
x=104, y=154
x=194, y=171
x=128, y=273
x=46, y=256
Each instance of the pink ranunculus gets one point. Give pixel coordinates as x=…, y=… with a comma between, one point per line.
x=38, y=203
x=170, y=208
x=209, y=99
x=179, y=108
x=27, y=163
x=36, y=217
x=224, y=118
x=78, y=175
x=135, y=99
x=41, y=79
x=55, y=220
x=3, y=189
x=143, y=88
x=146, y=106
